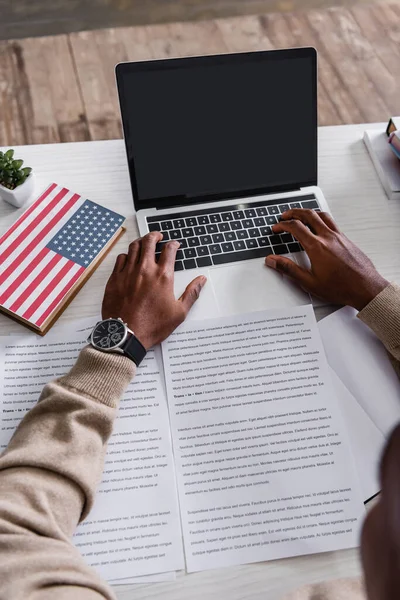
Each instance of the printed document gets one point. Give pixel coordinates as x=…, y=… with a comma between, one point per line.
x=134, y=527
x=263, y=462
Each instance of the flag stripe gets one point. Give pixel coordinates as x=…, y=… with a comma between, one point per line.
x=28, y=249
x=20, y=238
x=34, y=284
x=47, y=290
x=26, y=214
x=60, y=296
x=23, y=275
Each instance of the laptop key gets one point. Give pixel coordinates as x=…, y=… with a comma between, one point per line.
x=160, y=246
x=227, y=216
x=281, y=249
x=294, y=247
x=243, y=234
x=287, y=238
x=190, y=264
x=221, y=259
x=263, y=242
x=203, y=220
x=167, y=225
x=239, y=245
x=190, y=253
x=253, y=233
x=175, y=234
x=295, y=205
x=180, y=255
x=224, y=227
x=262, y=211
x=191, y=221
x=212, y=228
x=204, y=261
x=215, y=218
x=193, y=242
x=215, y=249
x=265, y=231
x=178, y=265
x=200, y=230
x=230, y=236
x=165, y=236
x=248, y=223
x=218, y=238
x=250, y=213
x=188, y=232
x=274, y=240
x=227, y=247
x=203, y=251
x=284, y=207
x=206, y=240
x=251, y=243
x=271, y=220
x=310, y=204
x=259, y=222
x=238, y=215
x=179, y=224
x=235, y=225
x=183, y=243
x=154, y=227
x=273, y=210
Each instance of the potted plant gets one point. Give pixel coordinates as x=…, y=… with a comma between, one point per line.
x=16, y=182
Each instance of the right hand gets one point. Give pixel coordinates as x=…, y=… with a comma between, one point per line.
x=340, y=272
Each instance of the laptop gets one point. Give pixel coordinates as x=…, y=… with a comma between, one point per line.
x=218, y=148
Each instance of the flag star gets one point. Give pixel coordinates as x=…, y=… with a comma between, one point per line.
x=73, y=244
x=73, y=232
x=78, y=227
x=91, y=233
x=90, y=222
x=86, y=217
x=90, y=212
x=73, y=255
x=108, y=235
x=94, y=228
x=59, y=248
x=69, y=237
x=104, y=229
x=68, y=226
x=107, y=214
x=99, y=245
x=86, y=228
x=103, y=218
x=86, y=239
x=90, y=255
x=86, y=250
x=64, y=243
x=90, y=245
x=82, y=256
x=73, y=221
x=86, y=262
x=95, y=239
x=69, y=248
x=112, y=219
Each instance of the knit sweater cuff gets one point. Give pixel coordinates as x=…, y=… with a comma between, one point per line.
x=382, y=315
x=100, y=376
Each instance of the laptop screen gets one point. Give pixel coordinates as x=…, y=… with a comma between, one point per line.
x=209, y=128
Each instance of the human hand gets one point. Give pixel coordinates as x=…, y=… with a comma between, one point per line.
x=140, y=291
x=340, y=272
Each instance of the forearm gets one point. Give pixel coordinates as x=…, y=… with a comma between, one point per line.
x=382, y=315
x=49, y=474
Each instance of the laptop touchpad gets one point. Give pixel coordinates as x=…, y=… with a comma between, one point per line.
x=251, y=286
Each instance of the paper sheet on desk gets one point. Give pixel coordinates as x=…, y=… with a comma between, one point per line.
x=262, y=460
x=362, y=363
x=123, y=525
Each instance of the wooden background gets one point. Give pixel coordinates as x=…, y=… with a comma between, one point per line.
x=62, y=88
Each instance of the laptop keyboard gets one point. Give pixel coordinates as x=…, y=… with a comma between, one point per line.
x=219, y=236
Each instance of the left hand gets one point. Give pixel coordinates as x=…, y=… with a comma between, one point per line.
x=140, y=291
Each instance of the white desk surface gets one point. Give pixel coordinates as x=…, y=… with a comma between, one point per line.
x=99, y=171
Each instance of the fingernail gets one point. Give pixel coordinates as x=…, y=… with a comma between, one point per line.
x=203, y=280
x=270, y=262
x=177, y=244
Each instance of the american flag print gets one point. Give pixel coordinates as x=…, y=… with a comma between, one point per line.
x=48, y=249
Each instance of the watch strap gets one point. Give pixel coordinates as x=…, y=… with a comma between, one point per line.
x=135, y=350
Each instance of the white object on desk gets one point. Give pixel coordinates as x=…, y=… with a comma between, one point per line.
x=362, y=363
x=386, y=164
x=20, y=196
x=362, y=211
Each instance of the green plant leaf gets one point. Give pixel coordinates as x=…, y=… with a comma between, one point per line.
x=27, y=171
x=17, y=164
x=10, y=154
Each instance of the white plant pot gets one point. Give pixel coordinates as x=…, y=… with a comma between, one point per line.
x=21, y=194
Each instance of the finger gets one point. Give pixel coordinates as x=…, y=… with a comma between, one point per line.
x=298, y=230
x=329, y=222
x=192, y=292
x=168, y=256
x=133, y=254
x=289, y=268
x=308, y=217
x=120, y=263
x=148, y=247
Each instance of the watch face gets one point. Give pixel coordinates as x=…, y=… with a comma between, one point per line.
x=109, y=334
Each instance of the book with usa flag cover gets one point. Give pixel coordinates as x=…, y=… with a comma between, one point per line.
x=50, y=252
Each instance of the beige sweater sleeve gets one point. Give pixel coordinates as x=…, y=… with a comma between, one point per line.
x=48, y=478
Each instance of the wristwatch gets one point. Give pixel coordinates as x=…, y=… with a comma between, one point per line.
x=114, y=336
